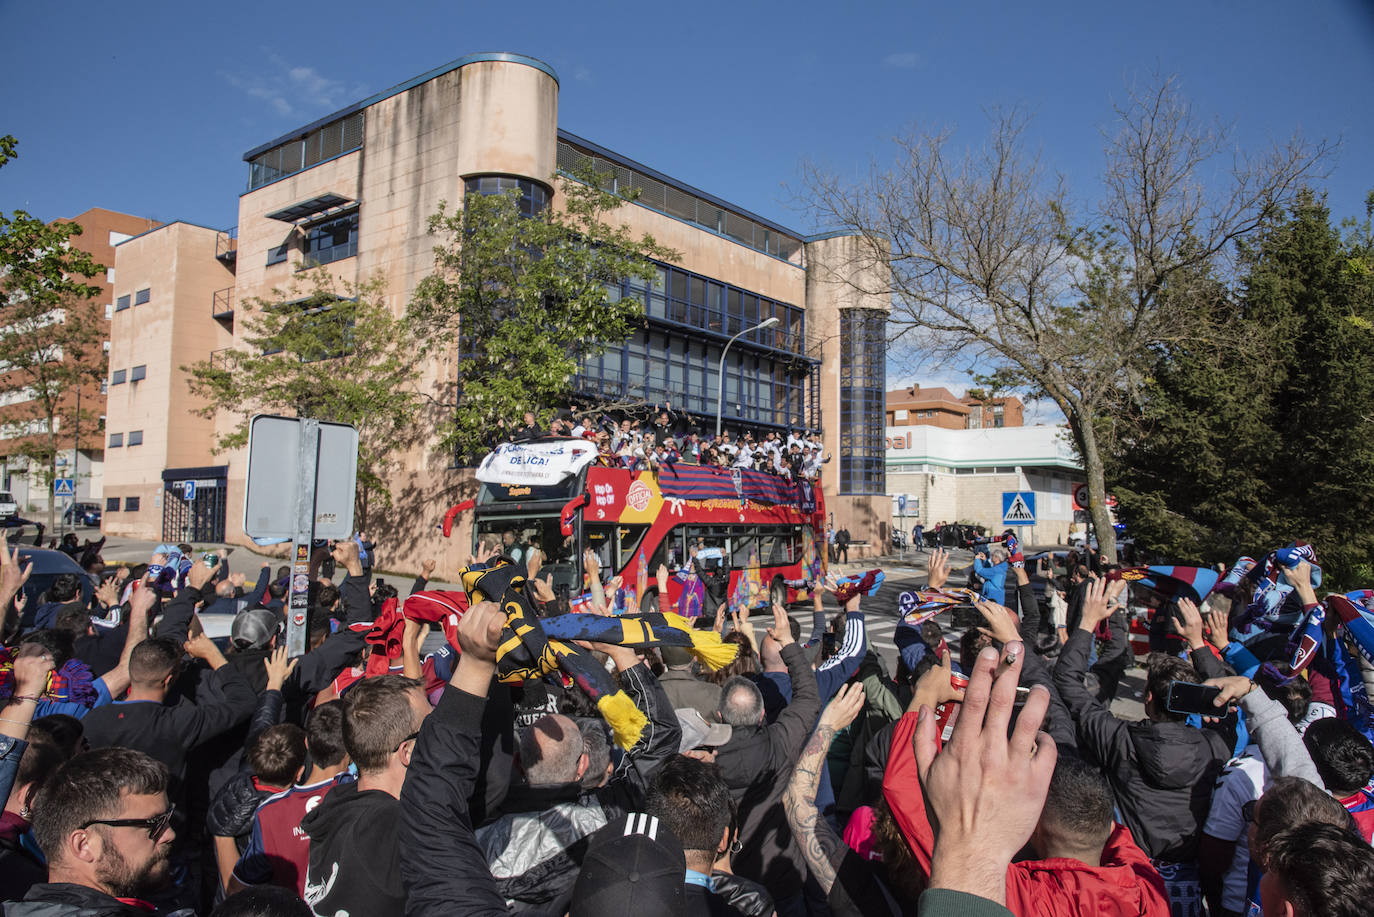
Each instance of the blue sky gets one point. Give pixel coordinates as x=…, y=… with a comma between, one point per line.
x=148, y=107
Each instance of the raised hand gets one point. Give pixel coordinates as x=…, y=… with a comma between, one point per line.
x=1001, y=622
x=31, y=671
x=279, y=668
x=427, y=569
x=843, y=707
x=201, y=574
x=1188, y=623
x=1096, y=608
x=985, y=791
x=938, y=568
x=781, y=630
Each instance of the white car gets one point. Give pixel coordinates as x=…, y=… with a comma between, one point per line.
x=8, y=508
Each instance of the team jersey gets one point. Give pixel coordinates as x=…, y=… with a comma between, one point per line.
x=278, y=851
x=1361, y=807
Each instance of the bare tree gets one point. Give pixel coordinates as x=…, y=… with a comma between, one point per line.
x=990, y=265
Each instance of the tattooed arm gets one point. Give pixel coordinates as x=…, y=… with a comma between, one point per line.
x=820, y=845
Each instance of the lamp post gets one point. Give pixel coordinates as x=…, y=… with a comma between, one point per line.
x=720, y=376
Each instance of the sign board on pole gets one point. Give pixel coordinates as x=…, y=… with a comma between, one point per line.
x=1018, y=507
x=188, y=491
x=1080, y=496
x=901, y=505
x=314, y=502
x=63, y=487
x=271, y=490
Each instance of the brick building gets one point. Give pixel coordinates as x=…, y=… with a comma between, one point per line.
x=939, y=407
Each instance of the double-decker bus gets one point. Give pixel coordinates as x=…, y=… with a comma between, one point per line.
x=552, y=495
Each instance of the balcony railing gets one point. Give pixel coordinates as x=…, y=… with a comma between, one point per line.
x=227, y=245
x=217, y=359
x=222, y=304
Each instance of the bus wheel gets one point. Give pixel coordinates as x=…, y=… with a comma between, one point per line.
x=777, y=592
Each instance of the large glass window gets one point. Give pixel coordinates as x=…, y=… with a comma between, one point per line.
x=332, y=240
x=533, y=196
x=342, y=136
x=863, y=372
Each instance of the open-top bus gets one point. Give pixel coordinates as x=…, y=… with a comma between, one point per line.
x=553, y=495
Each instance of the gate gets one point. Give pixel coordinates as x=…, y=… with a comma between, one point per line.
x=200, y=518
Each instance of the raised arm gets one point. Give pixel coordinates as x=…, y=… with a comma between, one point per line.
x=788, y=733
x=443, y=867
x=140, y=606
x=1284, y=753
x=820, y=845
x=1099, y=732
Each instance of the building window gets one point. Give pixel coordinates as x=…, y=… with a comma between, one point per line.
x=278, y=255
x=116, y=440
x=335, y=139
x=111, y=504
x=122, y=303
x=533, y=196
x=118, y=377
x=130, y=504
x=143, y=296
x=332, y=240
x=135, y=437
x=998, y=419
x=863, y=376
x=139, y=372
x=109, y=310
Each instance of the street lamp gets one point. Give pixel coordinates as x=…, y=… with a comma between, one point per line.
x=720, y=377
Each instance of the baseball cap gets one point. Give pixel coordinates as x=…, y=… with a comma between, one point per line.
x=633, y=866
x=255, y=628
x=675, y=655
x=696, y=732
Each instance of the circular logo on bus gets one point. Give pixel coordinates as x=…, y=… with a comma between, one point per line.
x=639, y=496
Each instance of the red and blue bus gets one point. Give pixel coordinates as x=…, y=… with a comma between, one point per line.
x=553, y=495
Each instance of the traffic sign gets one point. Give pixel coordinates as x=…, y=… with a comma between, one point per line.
x=901, y=504
x=1018, y=507
x=188, y=491
x=1080, y=495
x=63, y=487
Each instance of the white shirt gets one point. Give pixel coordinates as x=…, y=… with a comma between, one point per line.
x=1242, y=780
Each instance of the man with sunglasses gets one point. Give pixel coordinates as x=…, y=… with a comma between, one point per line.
x=103, y=822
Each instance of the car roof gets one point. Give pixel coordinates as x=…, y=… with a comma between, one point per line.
x=47, y=562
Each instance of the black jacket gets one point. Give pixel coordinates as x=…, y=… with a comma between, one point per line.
x=757, y=764
x=63, y=899
x=442, y=865
x=1162, y=774
x=355, y=863
x=170, y=733
x=231, y=811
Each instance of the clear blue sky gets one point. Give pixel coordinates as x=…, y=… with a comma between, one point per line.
x=148, y=107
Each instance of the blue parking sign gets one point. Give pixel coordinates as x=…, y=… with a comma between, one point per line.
x=188, y=491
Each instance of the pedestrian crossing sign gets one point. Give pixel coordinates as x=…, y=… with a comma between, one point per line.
x=63, y=487
x=1018, y=507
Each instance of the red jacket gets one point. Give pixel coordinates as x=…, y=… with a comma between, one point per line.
x=1125, y=885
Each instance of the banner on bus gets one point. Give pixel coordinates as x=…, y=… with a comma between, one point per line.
x=535, y=463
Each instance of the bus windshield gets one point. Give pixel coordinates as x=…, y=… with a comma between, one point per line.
x=517, y=534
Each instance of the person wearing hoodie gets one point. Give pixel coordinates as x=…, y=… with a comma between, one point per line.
x=1085, y=863
x=1162, y=770
x=355, y=867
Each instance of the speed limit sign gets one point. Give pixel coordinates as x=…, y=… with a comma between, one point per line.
x=1080, y=495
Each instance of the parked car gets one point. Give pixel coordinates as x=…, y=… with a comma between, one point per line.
x=47, y=566
x=8, y=508
x=87, y=514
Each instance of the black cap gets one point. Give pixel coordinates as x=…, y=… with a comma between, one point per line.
x=633, y=866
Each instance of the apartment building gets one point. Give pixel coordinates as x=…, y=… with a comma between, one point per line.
x=937, y=406
x=80, y=457
x=350, y=195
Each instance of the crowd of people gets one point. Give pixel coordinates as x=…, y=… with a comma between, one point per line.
x=667, y=437
x=147, y=768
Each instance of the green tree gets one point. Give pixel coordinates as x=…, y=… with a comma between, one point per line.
x=991, y=265
x=525, y=297
x=332, y=351
x=50, y=330
x=1243, y=447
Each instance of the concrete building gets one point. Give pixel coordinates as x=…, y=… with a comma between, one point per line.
x=961, y=475
x=80, y=456
x=352, y=192
x=171, y=287
x=939, y=407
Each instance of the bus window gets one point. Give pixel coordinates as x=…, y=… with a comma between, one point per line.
x=600, y=539
x=630, y=536
x=743, y=544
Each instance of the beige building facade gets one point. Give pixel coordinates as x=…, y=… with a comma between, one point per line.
x=352, y=194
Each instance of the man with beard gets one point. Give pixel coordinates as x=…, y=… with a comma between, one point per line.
x=104, y=823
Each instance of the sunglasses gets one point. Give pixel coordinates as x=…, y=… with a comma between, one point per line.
x=155, y=826
x=410, y=738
